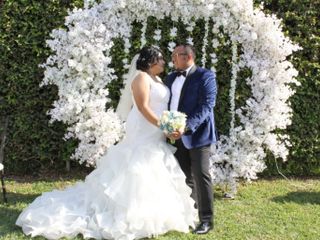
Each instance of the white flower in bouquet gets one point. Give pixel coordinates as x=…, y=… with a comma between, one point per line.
x=171, y=121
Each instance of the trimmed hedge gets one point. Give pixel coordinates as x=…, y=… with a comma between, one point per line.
x=301, y=23
x=34, y=145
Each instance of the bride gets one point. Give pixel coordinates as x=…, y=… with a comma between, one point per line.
x=137, y=189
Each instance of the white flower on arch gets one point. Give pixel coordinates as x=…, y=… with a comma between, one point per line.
x=80, y=69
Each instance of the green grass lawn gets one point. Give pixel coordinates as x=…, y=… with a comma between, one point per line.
x=265, y=209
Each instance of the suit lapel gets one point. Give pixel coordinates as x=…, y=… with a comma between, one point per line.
x=186, y=82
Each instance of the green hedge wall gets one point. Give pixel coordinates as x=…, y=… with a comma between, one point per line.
x=301, y=23
x=34, y=145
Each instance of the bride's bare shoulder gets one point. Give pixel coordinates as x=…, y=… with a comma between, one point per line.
x=141, y=77
x=142, y=74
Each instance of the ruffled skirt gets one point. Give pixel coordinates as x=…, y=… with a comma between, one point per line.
x=137, y=191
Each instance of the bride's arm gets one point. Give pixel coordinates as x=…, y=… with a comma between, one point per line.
x=141, y=90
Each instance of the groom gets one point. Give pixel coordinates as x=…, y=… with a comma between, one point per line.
x=193, y=91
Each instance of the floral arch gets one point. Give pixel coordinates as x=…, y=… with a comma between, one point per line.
x=80, y=67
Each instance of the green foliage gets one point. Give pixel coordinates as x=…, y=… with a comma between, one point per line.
x=34, y=144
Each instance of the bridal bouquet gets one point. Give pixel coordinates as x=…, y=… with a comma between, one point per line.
x=171, y=121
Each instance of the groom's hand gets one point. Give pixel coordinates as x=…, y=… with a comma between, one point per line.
x=176, y=134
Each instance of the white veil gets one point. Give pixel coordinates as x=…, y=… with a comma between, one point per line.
x=125, y=103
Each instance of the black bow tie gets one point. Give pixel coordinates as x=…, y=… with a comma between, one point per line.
x=183, y=73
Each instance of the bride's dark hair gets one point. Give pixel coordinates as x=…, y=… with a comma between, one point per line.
x=148, y=56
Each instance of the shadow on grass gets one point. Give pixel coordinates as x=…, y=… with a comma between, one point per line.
x=7, y=220
x=47, y=178
x=299, y=197
x=10, y=211
x=14, y=198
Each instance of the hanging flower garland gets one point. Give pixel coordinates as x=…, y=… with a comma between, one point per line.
x=143, y=34
x=171, y=45
x=205, y=43
x=80, y=67
x=190, y=28
x=127, y=46
x=234, y=72
x=215, y=44
x=157, y=35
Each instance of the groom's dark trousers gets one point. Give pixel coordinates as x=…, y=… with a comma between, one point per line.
x=195, y=165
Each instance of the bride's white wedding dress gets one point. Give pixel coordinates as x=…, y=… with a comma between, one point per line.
x=136, y=191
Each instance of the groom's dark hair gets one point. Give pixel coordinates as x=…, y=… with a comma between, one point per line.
x=190, y=50
x=148, y=56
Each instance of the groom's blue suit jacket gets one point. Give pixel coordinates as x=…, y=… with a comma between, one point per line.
x=197, y=100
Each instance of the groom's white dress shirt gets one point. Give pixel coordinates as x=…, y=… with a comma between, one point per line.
x=176, y=89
